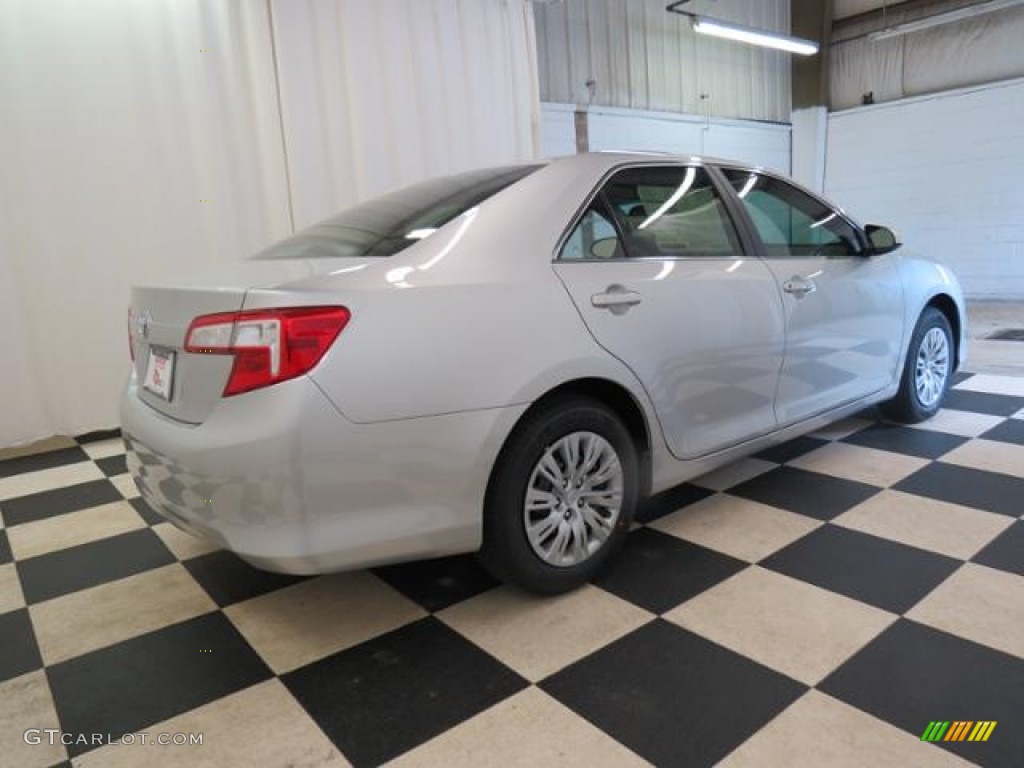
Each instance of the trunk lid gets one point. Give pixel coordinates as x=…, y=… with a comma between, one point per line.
x=188, y=386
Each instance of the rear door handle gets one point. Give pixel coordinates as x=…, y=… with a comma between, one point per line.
x=616, y=298
x=799, y=286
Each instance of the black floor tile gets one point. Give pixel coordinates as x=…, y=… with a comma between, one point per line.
x=147, y=679
x=673, y=697
x=19, y=652
x=883, y=573
x=146, y=512
x=912, y=442
x=1010, y=431
x=38, y=461
x=989, y=491
x=806, y=493
x=791, y=449
x=5, y=547
x=88, y=565
x=437, y=584
x=982, y=402
x=390, y=694
x=38, y=506
x=113, y=465
x=667, y=502
x=229, y=579
x=912, y=674
x=1005, y=551
x=97, y=435
x=658, y=572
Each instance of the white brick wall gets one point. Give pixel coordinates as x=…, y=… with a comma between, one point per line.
x=947, y=172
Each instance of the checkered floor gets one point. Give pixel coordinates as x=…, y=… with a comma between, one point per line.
x=816, y=605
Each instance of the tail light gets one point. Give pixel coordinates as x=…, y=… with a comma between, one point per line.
x=269, y=345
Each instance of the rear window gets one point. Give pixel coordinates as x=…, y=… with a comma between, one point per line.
x=385, y=225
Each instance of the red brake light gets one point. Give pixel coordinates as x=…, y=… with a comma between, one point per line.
x=269, y=345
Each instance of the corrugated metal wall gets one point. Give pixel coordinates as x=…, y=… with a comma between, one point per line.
x=972, y=52
x=642, y=57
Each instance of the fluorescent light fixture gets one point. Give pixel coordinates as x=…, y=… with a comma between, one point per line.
x=939, y=19
x=752, y=36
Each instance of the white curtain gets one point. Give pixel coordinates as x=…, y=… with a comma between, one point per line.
x=378, y=93
x=141, y=140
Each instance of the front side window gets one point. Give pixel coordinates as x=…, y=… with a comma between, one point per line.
x=658, y=211
x=791, y=222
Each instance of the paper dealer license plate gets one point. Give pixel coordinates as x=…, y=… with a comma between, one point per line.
x=159, y=373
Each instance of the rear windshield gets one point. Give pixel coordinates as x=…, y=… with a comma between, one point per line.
x=385, y=225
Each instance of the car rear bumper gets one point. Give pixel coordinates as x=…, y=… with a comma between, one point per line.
x=285, y=481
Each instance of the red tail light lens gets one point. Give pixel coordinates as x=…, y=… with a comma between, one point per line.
x=269, y=345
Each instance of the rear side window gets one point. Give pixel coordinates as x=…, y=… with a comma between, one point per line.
x=387, y=224
x=658, y=211
x=791, y=222
x=594, y=237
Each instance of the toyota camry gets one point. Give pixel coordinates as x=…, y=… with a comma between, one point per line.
x=508, y=360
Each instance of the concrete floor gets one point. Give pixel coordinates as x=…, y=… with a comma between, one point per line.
x=986, y=356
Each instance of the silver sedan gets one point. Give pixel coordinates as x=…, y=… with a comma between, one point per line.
x=508, y=360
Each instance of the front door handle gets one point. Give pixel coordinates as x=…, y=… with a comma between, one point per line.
x=616, y=298
x=799, y=286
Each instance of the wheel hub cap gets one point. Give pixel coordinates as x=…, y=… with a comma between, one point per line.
x=573, y=499
x=932, y=367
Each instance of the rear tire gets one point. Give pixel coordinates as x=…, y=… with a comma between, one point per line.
x=575, y=463
x=926, y=372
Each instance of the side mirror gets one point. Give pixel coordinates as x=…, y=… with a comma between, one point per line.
x=882, y=239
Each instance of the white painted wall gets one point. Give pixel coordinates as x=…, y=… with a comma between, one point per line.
x=946, y=171
x=765, y=144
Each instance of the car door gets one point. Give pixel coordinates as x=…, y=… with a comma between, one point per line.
x=657, y=271
x=843, y=306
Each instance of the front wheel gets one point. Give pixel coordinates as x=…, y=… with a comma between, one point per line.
x=926, y=372
x=561, y=498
